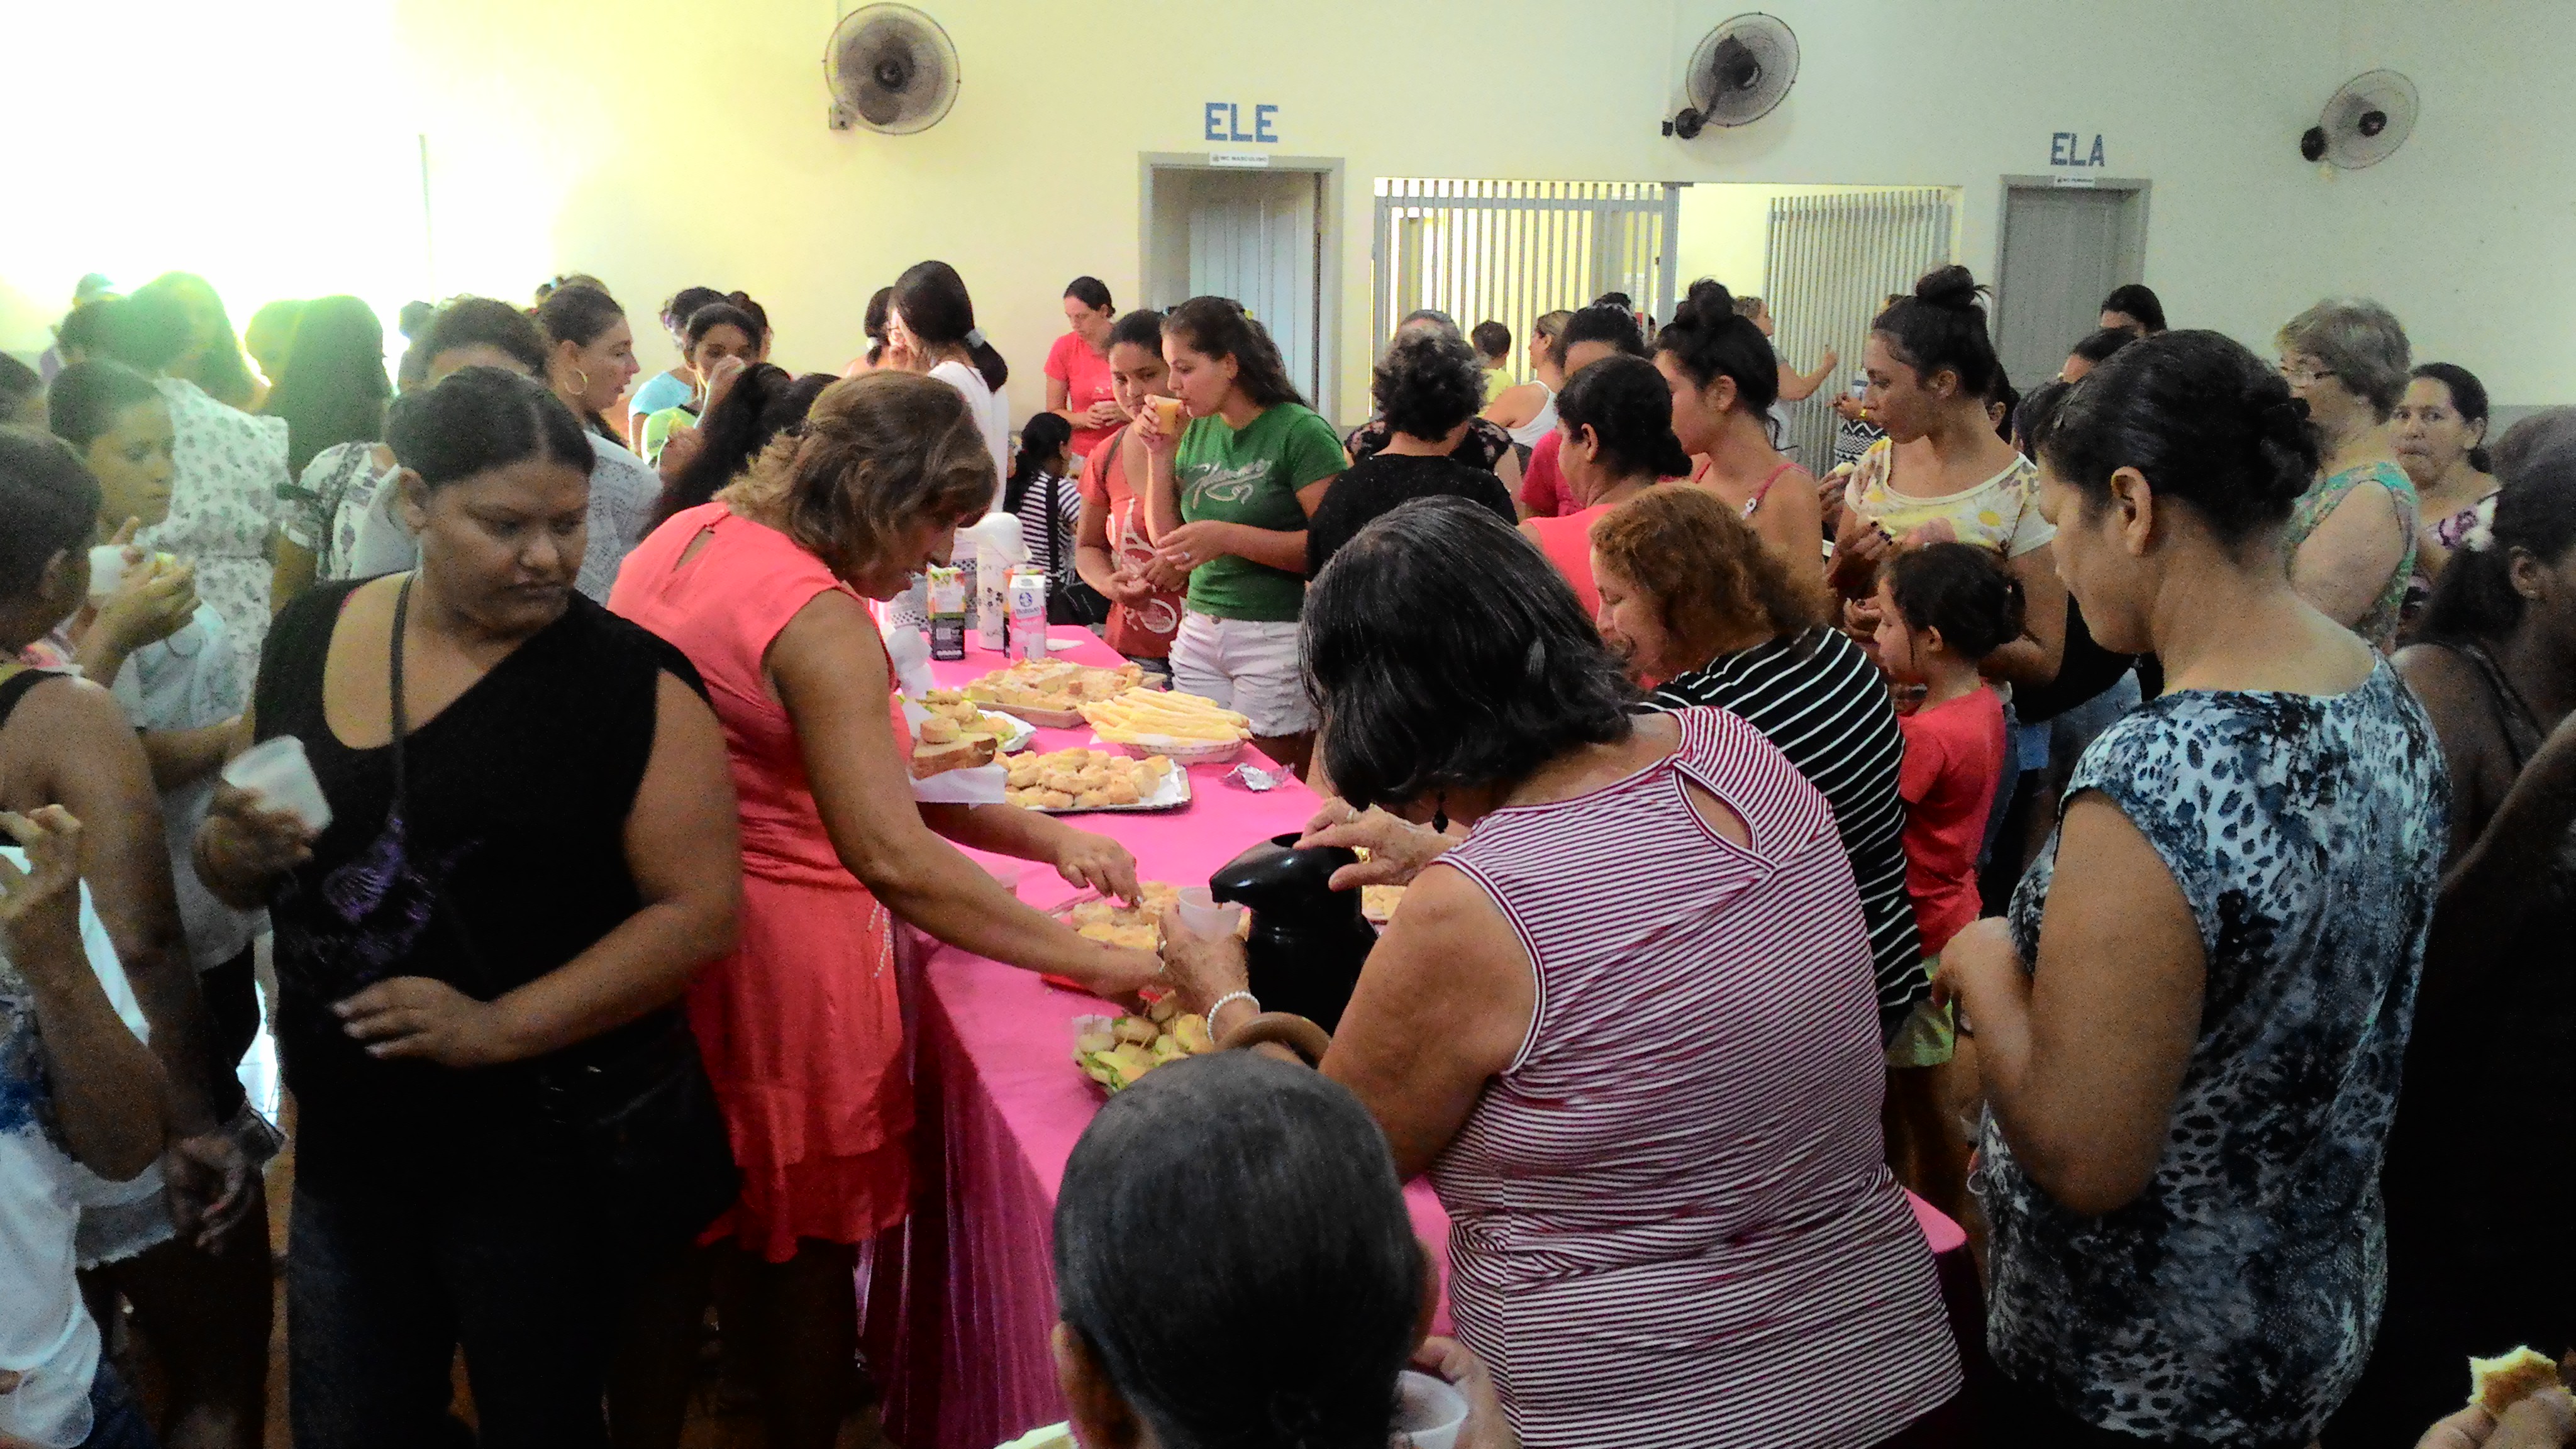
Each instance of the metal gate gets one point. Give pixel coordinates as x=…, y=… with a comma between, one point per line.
x=1829, y=264
x=1509, y=251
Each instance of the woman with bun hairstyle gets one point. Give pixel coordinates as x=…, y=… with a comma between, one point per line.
x=1229, y=502
x=2189, y=1030
x=680, y=384
x=1615, y=438
x=1930, y=366
x=2352, y=538
x=590, y=352
x=931, y=321
x=2440, y=436
x=1583, y=338
x=2478, y=1167
x=1724, y=379
x=1079, y=389
x=1528, y=410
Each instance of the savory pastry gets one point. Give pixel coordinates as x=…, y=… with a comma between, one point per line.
x=2497, y=1384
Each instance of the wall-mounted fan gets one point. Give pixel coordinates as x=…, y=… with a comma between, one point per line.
x=1737, y=74
x=891, y=69
x=2365, y=123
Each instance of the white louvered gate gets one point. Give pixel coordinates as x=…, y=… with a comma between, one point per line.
x=1829, y=263
x=1510, y=251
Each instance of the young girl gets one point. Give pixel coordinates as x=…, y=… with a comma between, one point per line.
x=1942, y=608
x=1047, y=502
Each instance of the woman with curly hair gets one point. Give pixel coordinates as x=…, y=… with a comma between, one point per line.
x=1427, y=391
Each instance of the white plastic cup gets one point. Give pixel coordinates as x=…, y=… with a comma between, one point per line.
x=277, y=771
x=1429, y=1413
x=1202, y=913
x=106, y=569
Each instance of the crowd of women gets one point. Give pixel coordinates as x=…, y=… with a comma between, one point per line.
x=2156, y=792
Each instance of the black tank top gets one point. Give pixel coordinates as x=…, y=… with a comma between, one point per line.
x=509, y=862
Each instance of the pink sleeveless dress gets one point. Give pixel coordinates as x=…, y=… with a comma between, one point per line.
x=799, y=1026
x=1671, y=1223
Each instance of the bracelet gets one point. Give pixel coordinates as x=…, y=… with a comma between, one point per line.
x=1220, y=1003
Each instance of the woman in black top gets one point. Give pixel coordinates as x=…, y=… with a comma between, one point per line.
x=531, y=847
x=2480, y=1179
x=1428, y=389
x=1691, y=596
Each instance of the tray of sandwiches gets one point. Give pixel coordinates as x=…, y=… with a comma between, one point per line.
x=1050, y=692
x=1009, y=733
x=1067, y=782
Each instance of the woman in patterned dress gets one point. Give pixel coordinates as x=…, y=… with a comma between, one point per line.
x=2191, y=1028
x=1627, y=1025
x=2352, y=535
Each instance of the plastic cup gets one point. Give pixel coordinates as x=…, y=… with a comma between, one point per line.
x=1203, y=914
x=278, y=773
x=1428, y=1413
x=106, y=569
x=1169, y=419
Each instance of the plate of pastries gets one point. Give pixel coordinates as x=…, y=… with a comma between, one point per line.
x=1065, y=782
x=1051, y=692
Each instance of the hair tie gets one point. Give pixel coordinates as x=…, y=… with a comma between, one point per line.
x=974, y=336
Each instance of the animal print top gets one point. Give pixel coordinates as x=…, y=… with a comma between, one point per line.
x=2235, y=1299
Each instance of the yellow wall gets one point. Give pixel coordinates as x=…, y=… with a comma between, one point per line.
x=661, y=143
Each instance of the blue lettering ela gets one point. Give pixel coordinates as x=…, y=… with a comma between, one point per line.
x=2062, y=150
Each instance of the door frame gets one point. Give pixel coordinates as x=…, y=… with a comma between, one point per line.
x=1328, y=171
x=2132, y=261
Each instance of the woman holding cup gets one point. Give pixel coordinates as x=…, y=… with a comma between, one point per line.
x=1112, y=550
x=1232, y=489
x=529, y=850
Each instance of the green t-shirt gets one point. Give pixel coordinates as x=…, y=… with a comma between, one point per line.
x=1251, y=476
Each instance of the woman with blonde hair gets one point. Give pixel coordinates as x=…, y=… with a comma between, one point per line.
x=764, y=589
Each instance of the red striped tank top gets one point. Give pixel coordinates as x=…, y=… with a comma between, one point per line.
x=1671, y=1224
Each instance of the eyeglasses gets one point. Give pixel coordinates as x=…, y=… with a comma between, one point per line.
x=2304, y=376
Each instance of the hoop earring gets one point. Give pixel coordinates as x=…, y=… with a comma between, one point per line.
x=581, y=382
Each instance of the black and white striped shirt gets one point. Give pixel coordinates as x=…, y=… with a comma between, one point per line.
x=1824, y=704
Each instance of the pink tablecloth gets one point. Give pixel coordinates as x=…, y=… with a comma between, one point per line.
x=960, y=1302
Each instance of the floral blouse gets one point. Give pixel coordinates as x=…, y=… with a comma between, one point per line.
x=2379, y=625
x=320, y=512
x=2235, y=1299
x=2001, y=514
x=228, y=469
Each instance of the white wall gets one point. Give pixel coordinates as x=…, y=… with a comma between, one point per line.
x=666, y=142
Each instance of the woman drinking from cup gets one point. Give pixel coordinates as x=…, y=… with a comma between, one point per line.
x=1239, y=466
x=530, y=849
x=1661, y=1162
x=763, y=589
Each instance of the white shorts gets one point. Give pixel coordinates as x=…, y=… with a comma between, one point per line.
x=1243, y=665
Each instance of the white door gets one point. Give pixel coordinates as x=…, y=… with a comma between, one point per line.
x=1251, y=235
x=2064, y=249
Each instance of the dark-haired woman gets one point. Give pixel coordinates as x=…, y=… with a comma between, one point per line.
x=2134, y=309
x=211, y=357
x=2439, y=433
x=2480, y=1174
x=2353, y=537
x=681, y=384
x=590, y=357
x=227, y=466
x=1282, y=1185
x=333, y=399
x=531, y=849
x=931, y=321
x=746, y=408
x=1482, y=443
x=878, y=324
x=1427, y=389
x=1724, y=380
x=1930, y=365
x=1112, y=549
x=2189, y=1032
x=1041, y=493
x=1581, y=339
x=1077, y=367
x=1661, y=1163
x=1614, y=439
x=803, y=1033
x=1229, y=503
x=717, y=339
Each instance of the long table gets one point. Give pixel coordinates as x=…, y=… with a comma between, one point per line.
x=960, y=1302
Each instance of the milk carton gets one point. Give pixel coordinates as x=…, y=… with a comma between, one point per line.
x=1028, y=614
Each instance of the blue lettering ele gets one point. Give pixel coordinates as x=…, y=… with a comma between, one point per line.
x=2097, y=152
x=1261, y=126
x=1214, y=109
